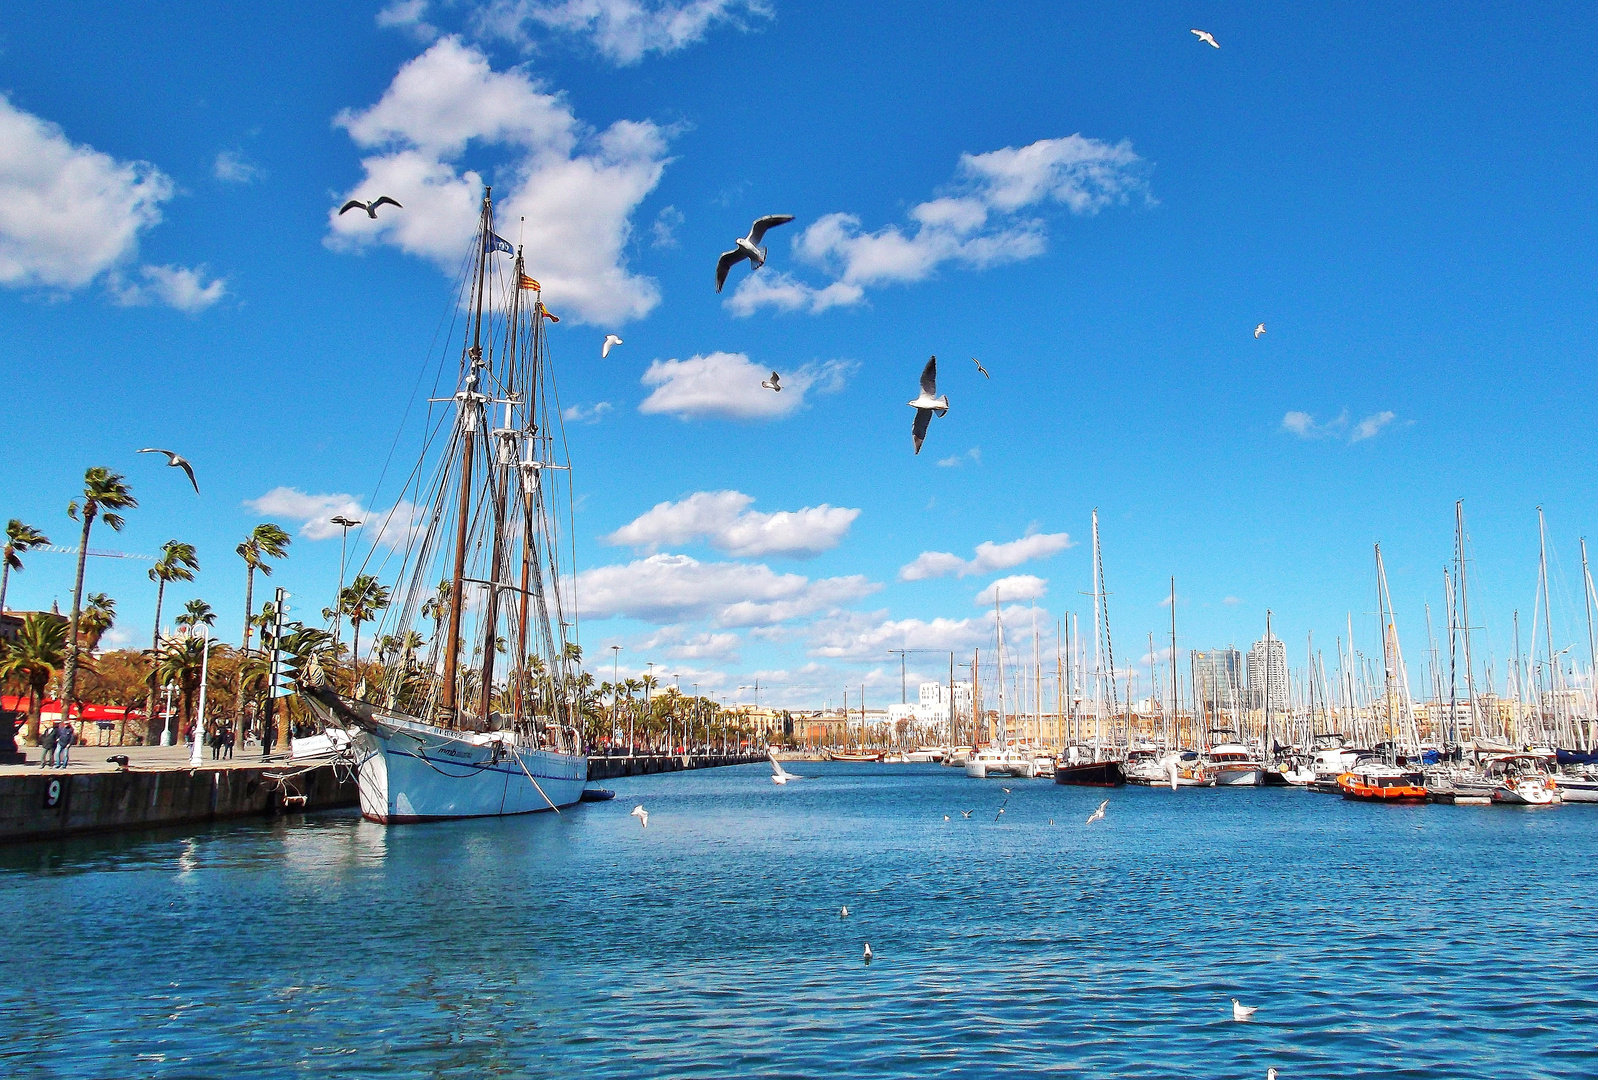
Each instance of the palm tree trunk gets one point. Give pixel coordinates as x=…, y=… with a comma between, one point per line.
x=155, y=646
x=69, y=687
x=5, y=581
x=355, y=656
x=34, y=694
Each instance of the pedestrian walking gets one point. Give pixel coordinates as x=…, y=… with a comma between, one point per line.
x=47, y=739
x=227, y=742
x=216, y=744
x=63, y=745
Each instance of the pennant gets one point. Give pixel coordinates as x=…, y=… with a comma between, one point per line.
x=528, y=283
x=494, y=242
x=546, y=313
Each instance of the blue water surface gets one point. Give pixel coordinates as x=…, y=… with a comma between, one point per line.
x=1377, y=941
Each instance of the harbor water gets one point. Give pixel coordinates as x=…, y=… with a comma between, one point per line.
x=1377, y=941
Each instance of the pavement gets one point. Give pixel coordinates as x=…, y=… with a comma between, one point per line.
x=92, y=759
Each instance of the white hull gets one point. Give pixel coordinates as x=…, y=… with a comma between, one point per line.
x=1578, y=789
x=1248, y=777
x=983, y=765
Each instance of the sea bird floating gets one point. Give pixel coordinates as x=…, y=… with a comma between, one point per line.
x=176, y=462
x=1098, y=815
x=844, y=914
x=1206, y=37
x=1270, y=1074
x=927, y=403
x=1243, y=1012
x=867, y=957
x=610, y=339
x=1259, y=330
x=980, y=368
x=370, y=207
x=749, y=247
x=774, y=383
x=641, y=814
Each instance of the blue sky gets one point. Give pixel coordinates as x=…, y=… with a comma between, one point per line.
x=1404, y=198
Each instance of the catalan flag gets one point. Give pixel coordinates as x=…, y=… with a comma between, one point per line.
x=526, y=282
x=546, y=313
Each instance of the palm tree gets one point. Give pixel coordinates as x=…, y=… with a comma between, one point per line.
x=360, y=602
x=99, y=615
x=36, y=657
x=19, y=538
x=104, y=493
x=181, y=660
x=266, y=541
x=178, y=562
x=197, y=613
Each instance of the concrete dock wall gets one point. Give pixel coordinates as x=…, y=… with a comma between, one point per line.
x=48, y=805
x=609, y=768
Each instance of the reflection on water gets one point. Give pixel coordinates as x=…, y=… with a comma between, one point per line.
x=1418, y=941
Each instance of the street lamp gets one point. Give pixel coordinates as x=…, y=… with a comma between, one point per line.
x=649, y=677
x=615, y=688
x=338, y=599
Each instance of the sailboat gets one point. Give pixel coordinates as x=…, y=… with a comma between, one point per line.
x=1075, y=768
x=452, y=737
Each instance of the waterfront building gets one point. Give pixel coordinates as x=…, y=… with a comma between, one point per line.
x=1218, y=678
x=1261, y=671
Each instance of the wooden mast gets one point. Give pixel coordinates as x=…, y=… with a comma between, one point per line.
x=446, y=698
x=507, y=470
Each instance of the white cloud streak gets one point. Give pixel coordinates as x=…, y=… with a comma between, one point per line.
x=176, y=286
x=860, y=636
x=1303, y=425
x=1015, y=588
x=724, y=521
x=232, y=167
x=980, y=224
x=582, y=414
x=570, y=191
x=391, y=528
x=674, y=588
x=987, y=558
x=727, y=385
x=622, y=31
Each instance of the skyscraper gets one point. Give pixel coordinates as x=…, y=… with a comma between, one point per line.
x=1218, y=679
x=1259, y=671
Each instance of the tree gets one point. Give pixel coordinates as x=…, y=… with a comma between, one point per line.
x=99, y=616
x=197, y=613
x=36, y=657
x=104, y=493
x=266, y=541
x=19, y=538
x=178, y=562
x=360, y=602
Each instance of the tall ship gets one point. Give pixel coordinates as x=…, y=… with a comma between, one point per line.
x=475, y=714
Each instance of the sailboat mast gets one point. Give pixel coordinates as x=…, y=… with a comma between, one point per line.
x=998, y=637
x=1592, y=649
x=468, y=447
x=1172, y=733
x=1464, y=612
x=1548, y=617
x=1098, y=644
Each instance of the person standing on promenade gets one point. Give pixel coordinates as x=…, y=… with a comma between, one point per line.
x=47, y=739
x=63, y=745
x=227, y=742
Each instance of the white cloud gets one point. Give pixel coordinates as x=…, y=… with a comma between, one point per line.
x=1231, y=601
x=1015, y=588
x=868, y=636
x=570, y=192
x=177, y=286
x=623, y=31
x=408, y=15
x=232, y=167
x=987, y=558
x=677, y=644
x=671, y=588
x=978, y=225
x=1371, y=426
x=723, y=520
x=581, y=414
x=954, y=461
x=70, y=214
x=728, y=385
x=392, y=528
x=667, y=222
x=1304, y=426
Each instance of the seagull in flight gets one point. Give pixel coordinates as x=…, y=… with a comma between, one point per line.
x=1098, y=815
x=779, y=775
x=369, y=207
x=176, y=461
x=1259, y=330
x=1243, y=1012
x=967, y=813
x=1206, y=37
x=980, y=368
x=749, y=247
x=610, y=339
x=774, y=383
x=927, y=403
x=641, y=814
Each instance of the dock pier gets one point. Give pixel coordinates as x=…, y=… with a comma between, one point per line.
x=160, y=788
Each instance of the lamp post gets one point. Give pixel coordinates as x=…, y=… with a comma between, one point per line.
x=615, y=689
x=205, y=673
x=346, y=525
x=649, y=677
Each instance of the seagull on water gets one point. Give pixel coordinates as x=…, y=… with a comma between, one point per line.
x=1259, y=330
x=175, y=461
x=610, y=339
x=749, y=247
x=641, y=814
x=945, y=817
x=1243, y=1012
x=844, y=914
x=1206, y=37
x=370, y=207
x=928, y=403
x=773, y=383
x=1098, y=815
x=1270, y=1074
x=867, y=957
x=980, y=368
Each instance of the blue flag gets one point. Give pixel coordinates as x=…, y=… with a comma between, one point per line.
x=494, y=242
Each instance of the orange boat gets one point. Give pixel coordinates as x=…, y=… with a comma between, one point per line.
x=1382, y=783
